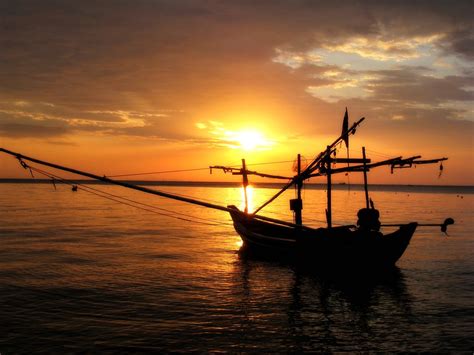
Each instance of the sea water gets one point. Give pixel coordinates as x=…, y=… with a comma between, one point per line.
x=80, y=272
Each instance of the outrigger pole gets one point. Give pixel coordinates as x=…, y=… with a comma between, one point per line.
x=444, y=225
x=104, y=178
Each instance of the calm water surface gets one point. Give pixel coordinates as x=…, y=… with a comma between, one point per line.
x=82, y=273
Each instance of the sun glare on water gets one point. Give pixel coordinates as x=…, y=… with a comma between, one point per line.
x=249, y=198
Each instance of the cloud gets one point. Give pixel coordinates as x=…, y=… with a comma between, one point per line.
x=409, y=86
x=156, y=69
x=461, y=42
x=39, y=119
x=383, y=49
x=296, y=60
x=20, y=130
x=44, y=110
x=62, y=143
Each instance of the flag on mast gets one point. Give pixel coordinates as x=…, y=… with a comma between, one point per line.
x=345, y=128
x=345, y=137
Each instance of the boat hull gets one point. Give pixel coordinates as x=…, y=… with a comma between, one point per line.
x=340, y=246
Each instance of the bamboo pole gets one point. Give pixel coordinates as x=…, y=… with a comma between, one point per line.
x=22, y=157
x=366, y=188
x=245, y=183
x=299, y=185
x=328, y=173
x=306, y=174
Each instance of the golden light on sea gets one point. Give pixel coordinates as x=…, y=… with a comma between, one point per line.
x=250, y=195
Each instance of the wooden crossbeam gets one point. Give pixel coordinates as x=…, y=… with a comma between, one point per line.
x=350, y=160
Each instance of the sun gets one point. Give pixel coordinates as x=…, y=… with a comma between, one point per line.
x=251, y=140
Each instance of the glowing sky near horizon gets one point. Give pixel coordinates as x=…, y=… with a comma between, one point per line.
x=132, y=86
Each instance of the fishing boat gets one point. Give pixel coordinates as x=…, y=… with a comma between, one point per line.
x=343, y=245
x=360, y=244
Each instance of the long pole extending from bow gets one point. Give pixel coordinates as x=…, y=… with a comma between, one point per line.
x=22, y=157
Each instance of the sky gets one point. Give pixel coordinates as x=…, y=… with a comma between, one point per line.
x=122, y=87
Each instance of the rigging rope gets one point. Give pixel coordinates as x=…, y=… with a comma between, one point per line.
x=195, y=169
x=147, y=205
x=383, y=155
x=200, y=198
x=140, y=205
x=119, y=199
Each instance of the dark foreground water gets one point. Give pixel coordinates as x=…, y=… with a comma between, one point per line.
x=82, y=273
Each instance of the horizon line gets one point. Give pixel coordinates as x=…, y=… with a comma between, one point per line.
x=200, y=182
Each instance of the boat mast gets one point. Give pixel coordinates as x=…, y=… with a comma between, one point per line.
x=365, y=179
x=328, y=174
x=313, y=166
x=245, y=183
x=296, y=205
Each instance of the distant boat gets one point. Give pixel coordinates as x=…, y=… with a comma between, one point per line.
x=352, y=245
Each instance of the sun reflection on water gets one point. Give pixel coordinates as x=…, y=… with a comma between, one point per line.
x=250, y=197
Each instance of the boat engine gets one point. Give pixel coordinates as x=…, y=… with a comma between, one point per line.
x=368, y=219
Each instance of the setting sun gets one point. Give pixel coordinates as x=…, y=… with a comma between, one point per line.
x=251, y=140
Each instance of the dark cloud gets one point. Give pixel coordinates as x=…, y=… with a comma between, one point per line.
x=21, y=130
x=13, y=125
x=96, y=60
x=62, y=143
x=408, y=86
x=461, y=41
x=51, y=111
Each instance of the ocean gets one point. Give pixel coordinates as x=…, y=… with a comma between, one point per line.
x=84, y=273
